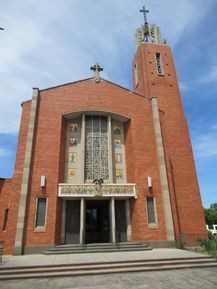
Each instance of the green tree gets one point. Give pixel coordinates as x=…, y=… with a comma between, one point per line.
x=211, y=214
x=213, y=206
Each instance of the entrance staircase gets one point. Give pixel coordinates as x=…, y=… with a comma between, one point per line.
x=97, y=248
x=106, y=267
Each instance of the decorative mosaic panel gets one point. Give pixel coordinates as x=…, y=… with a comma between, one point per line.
x=119, y=174
x=72, y=157
x=72, y=173
x=90, y=190
x=73, y=151
x=96, y=147
x=118, y=158
x=118, y=152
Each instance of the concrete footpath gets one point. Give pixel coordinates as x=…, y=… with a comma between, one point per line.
x=187, y=279
x=40, y=259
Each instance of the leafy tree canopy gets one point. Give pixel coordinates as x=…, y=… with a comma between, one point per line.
x=211, y=214
x=213, y=206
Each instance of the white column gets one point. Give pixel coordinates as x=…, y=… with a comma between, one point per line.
x=163, y=172
x=112, y=219
x=82, y=221
x=63, y=222
x=110, y=159
x=18, y=246
x=128, y=221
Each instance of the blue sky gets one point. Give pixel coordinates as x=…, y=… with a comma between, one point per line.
x=50, y=42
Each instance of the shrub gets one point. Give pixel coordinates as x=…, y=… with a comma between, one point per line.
x=209, y=245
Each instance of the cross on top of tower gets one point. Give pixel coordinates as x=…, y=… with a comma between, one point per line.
x=97, y=68
x=146, y=28
x=144, y=11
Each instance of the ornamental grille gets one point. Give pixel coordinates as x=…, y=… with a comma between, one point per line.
x=96, y=147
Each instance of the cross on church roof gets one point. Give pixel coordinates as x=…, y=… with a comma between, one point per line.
x=97, y=68
x=146, y=30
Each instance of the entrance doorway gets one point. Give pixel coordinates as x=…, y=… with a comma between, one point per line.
x=97, y=222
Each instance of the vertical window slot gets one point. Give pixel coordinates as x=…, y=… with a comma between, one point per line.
x=135, y=71
x=159, y=63
x=151, y=211
x=5, y=219
x=40, y=219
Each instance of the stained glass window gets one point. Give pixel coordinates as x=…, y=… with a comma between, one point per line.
x=96, y=147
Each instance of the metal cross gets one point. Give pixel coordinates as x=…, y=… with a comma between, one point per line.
x=144, y=11
x=97, y=68
x=146, y=32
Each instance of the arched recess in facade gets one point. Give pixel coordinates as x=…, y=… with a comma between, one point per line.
x=93, y=147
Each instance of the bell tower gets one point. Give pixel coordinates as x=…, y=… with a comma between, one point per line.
x=154, y=71
x=154, y=76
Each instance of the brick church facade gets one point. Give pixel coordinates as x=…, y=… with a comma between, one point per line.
x=98, y=163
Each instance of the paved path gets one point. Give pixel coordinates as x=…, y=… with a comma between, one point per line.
x=94, y=257
x=205, y=278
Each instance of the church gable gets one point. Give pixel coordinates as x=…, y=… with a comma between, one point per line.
x=87, y=87
x=88, y=95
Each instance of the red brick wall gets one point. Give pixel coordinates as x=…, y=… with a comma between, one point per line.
x=10, y=188
x=48, y=156
x=184, y=189
x=6, y=189
x=49, y=152
x=62, y=153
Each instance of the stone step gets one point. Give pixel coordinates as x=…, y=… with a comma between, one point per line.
x=164, y=260
x=97, y=250
x=131, y=243
x=96, y=247
x=99, y=247
x=98, y=268
x=100, y=265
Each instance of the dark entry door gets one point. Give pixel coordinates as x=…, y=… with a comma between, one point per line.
x=72, y=222
x=97, y=222
x=120, y=220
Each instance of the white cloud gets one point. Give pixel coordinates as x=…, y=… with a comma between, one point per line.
x=205, y=146
x=211, y=76
x=175, y=17
x=3, y=152
x=182, y=86
x=46, y=43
